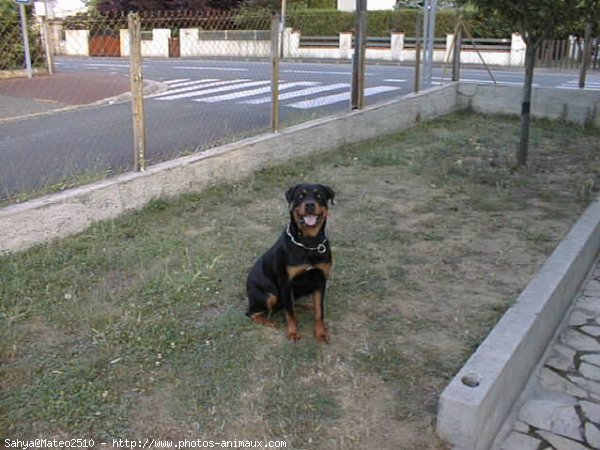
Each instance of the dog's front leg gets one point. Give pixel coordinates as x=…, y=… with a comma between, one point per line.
x=287, y=302
x=318, y=298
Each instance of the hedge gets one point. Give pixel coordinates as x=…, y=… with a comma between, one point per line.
x=310, y=22
x=381, y=23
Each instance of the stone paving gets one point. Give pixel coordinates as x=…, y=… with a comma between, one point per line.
x=563, y=411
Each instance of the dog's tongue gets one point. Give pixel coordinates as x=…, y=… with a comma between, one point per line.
x=310, y=221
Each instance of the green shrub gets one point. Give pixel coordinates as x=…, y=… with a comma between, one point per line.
x=12, y=53
x=379, y=23
x=322, y=4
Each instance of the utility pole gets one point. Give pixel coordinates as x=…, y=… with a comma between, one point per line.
x=429, y=10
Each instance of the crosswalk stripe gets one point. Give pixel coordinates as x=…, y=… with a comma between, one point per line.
x=191, y=82
x=179, y=80
x=336, y=98
x=231, y=87
x=250, y=93
x=300, y=93
x=394, y=80
x=170, y=95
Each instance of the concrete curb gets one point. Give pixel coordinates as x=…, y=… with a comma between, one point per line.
x=475, y=404
x=150, y=87
x=63, y=214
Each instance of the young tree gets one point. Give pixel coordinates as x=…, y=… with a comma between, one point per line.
x=588, y=12
x=535, y=20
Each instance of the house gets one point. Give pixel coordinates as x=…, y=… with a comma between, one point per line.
x=63, y=8
x=372, y=5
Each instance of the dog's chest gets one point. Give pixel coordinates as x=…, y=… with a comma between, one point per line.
x=295, y=271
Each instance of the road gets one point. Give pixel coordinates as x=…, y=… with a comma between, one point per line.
x=201, y=104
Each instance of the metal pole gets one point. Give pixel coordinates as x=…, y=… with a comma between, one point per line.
x=428, y=37
x=275, y=72
x=25, y=40
x=358, y=62
x=137, y=92
x=282, y=27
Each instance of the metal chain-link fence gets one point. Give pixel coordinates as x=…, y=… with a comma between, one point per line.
x=204, y=80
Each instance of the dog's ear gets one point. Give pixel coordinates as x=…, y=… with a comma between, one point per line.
x=289, y=195
x=329, y=191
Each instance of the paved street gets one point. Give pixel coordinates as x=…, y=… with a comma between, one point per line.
x=200, y=103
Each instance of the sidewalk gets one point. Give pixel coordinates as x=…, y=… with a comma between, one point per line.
x=562, y=410
x=42, y=94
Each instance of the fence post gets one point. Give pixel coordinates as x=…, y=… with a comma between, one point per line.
x=456, y=54
x=275, y=72
x=137, y=92
x=358, y=62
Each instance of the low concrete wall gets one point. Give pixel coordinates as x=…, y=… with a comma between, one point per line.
x=572, y=105
x=63, y=214
x=475, y=404
x=69, y=212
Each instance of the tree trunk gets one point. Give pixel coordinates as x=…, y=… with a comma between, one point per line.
x=587, y=53
x=530, y=54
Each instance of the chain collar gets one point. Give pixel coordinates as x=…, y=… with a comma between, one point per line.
x=321, y=248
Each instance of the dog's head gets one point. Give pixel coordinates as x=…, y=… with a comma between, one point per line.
x=309, y=206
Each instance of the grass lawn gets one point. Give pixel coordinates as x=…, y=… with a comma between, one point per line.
x=136, y=329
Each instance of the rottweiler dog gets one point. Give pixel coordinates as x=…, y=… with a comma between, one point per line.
x=297, y=265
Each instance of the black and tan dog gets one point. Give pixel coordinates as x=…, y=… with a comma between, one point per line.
x=297, y=264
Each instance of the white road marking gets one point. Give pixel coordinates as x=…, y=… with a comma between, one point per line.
x=250, y=93
x=191, y=83
x=201, y=84
x=300, y=93
x=336, y=98
x=198, y=93
x=169, y=82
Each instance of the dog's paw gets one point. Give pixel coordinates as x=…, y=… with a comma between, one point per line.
x=293, y=336
x=321, y=333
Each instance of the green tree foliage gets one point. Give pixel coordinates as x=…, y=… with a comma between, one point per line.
x=123, y=6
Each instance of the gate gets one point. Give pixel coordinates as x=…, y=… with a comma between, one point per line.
x=105, y=46
x=174, y=48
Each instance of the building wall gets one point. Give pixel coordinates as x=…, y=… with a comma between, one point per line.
x=372, y=5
